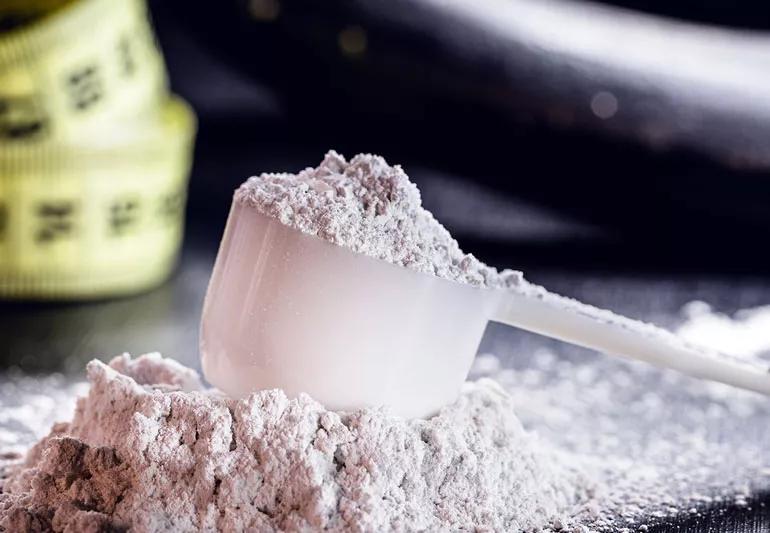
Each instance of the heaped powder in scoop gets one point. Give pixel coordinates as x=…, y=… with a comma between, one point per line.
x=371, y=208
x=149, y=449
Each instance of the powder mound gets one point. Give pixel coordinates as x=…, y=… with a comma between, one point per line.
x=145, y=455
x=371, y=208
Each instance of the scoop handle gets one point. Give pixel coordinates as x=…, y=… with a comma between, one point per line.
x=534, y=309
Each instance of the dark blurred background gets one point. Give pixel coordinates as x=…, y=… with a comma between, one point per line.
x=645, y=149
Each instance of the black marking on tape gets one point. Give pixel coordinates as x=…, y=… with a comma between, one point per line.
x=126, y=56
x=171, y=205
x=85, y=87
x=22, y=117
x=124, y=215
x=55, y=221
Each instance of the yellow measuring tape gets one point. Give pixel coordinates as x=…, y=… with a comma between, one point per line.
x=94, y=152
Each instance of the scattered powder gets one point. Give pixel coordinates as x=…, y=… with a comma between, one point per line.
x=663, y=464
x=151, y=450
x=746, y=335
x=656, y=443
x=30, y=406
x=373, y=209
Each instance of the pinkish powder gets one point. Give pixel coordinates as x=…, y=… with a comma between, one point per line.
x=149, y=449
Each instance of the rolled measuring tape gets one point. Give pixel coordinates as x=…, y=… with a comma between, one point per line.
x=94, y=152
x=81, y=221
x=77, y=65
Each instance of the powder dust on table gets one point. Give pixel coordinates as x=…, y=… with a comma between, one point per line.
x=658, y=445
x=149, y=449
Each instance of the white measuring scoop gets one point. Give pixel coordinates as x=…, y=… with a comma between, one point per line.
x=289, y=310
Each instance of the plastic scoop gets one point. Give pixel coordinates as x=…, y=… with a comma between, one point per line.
x=292, y=311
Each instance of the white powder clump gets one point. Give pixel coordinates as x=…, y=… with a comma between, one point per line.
x=371, y=208
x=149, y=449
x=746, y=335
